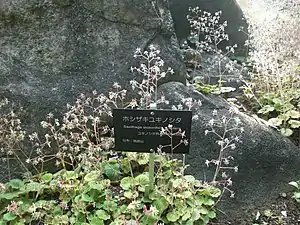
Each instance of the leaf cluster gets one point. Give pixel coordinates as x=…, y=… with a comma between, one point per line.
x=111, y=193
x=282, y=109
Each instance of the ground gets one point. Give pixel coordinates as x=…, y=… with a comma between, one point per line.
x=284, y=211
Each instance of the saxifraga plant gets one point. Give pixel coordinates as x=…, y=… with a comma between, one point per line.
x=207, y=33
x=98, y=186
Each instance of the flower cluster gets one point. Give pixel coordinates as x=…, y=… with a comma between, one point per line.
x=207, y=33
x=226, y=140
x=274, y=43
x=11, y=135
x=152, y=71
x=172, y=132
x=83, y=134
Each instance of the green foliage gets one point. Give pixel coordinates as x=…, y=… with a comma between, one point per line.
x=112, y=194
x=213, y=89
x=281, y=109
x=296, y=194
x=269, y=217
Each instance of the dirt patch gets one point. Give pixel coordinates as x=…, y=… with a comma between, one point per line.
x=284, y=211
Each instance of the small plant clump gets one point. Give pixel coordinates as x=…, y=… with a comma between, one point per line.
x=206, y=36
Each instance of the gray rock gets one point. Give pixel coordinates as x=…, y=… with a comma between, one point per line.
x=211, y=71
x=231, y=12
x=52, y=50
x=267, y=161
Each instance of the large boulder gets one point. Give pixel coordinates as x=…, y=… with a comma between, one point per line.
x=267, y=161
x=51, y=51
x=231, y=12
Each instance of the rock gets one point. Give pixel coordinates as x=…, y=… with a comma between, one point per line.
x=267, y=161
x=52, y=50
x=211, y=71
x=231, y=12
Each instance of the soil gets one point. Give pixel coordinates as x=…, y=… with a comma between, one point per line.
x=284, y=211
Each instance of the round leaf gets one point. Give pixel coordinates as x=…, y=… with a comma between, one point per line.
x=101, y=214
x=173, y=216
x=94, y=175
x=127, y=183
x=275, y=121
x=47, y=177
x=112, y=171
x=15, y=183
x=286, y=132
x=161, y=204
x=142, y=179
x=294, y=123
x=9, y=216
x=294, y=184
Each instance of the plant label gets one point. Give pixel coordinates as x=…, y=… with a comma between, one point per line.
x=150, y=130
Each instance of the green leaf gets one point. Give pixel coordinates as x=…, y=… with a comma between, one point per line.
x=129, y=194
x=173, y=216
x=112, y=171
x=96, y=221
x=187, y=194
x=15, y=184
x=196, y=214
x=177, y=182
x=296, y=195
x=127, y=183
x=57, y=211
x=96, y=186
x=294, y=184
x=212, y=214
x=142, y=179
x=94, y=175
x=275, y=121
x=268, y=213
x=64, y=219
x=143, y=159
x=186, y=216
x=203, y=211
x=103, y=215
x=205, y=220
x=70, y=175
x=161, y=204
x=33, y=187
x=189, y=178
x=266, y=109
x=294, y=123
x=9, y=216
x=294, y=114
x=209, y=202
x=286, y=132
x=87, y=198
x=214, y=192
x=226, y=90
x=10, y=196
x=47, y=177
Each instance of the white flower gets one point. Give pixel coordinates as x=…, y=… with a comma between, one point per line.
x=153, y=210
x=215, y=112
x=207, y=162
